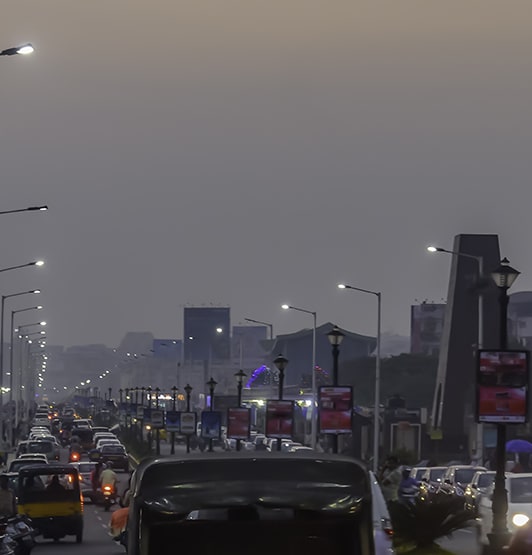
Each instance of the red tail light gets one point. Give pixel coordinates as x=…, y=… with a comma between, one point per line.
x=107, y=489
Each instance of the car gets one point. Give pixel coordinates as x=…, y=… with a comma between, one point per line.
x=85, y=469
x=382, y=523
x=299, y=448
x=34, y=456
x=479, y=485
x=519, y=488
x=49, y=448
x=115, y=454
x=107, y=441
x=457, y=477
x=430, y=483
x=417, y=472
x=16, y=464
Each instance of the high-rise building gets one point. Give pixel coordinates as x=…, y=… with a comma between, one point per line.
x=207, y=333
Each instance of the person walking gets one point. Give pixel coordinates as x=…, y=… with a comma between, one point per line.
x=7, y=499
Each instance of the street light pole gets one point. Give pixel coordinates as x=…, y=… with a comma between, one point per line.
x=157, y=432
x=270, y=326
x=335, y=337
x=503, y=276
x=480, y=331
x=212, y=384
x=24, y=49
x=188, y=391
x=313, y=421
x=376, y=416
x=174, y=399
x=43, y=207
x=240, y=375
x=280, y=363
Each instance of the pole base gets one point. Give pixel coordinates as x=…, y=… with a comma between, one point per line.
x=498, y=542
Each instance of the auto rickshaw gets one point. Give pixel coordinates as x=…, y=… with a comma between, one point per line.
x=50, y=495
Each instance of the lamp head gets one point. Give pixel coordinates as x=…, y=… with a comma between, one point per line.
x=280, y=362
x=285, y=306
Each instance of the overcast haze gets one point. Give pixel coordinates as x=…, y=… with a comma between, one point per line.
x=251, y=153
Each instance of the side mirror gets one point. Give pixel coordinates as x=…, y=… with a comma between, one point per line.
x=447, y=481
x=474, y=486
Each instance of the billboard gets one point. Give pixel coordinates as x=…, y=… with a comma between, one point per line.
x=279, y=419
x=238, y=423
x=335, y=404
x=187, y=424
x=502, y=386
x=173, y=421
x=157, y=418
x=211, y=424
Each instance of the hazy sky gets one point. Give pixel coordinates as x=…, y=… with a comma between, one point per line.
x=250, y=153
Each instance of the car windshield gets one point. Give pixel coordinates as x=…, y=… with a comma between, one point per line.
x=521, y=489
x=464, y=475
x=40, y=447
x=419, y=473
x=485, y=480
x=436, y=474
x=114, y=449
x=85, y=468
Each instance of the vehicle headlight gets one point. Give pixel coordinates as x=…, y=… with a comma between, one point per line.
x=520, y=519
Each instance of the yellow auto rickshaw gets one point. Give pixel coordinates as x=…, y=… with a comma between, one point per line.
x=50, y=495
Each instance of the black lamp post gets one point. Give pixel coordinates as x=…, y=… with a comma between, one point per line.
x=121, y=392
x=212, y=383
x=137, y=421
x=335, y=337
x=174, y=399
x=128, y=409
x=157, y=430
x=240, y=375
x=280, y=362
x=188, y=391
x=503, y=276
x=148, y=391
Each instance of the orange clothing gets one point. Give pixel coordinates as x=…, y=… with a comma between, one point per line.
x=119, y=521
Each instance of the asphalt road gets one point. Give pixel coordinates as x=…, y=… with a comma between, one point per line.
x=462, y=542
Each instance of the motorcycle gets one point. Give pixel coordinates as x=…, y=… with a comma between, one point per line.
x=108, y=492
x=74, y=456
x=20, y=530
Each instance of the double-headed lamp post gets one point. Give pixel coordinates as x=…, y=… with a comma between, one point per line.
x=376, y=417
x=335, y=337
x=280, y=363
x=240, y=375
x=504, y=276
x=313, y=420
x=212, y=383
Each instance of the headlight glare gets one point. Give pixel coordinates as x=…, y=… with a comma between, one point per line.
x=520, y=519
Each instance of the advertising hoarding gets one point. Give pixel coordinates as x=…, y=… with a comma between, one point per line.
x=157, y=418
x=502, y=386
x=211, y=424
x=335, y=404
x=140, y=412
x=146, y=417
x=173, y=421
x=238, y=423
x=187, y=423
x=279, y=419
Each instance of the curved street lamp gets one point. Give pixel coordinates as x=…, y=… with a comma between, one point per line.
x=41, y=208
x=23, y=49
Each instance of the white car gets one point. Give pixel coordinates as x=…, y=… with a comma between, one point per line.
x=34, y=456
x=107, y=441
x=519, y=488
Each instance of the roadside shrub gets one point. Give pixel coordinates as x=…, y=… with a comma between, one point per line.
x=420, y=525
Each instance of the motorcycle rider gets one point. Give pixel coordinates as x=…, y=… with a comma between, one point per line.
x=108, y=477
x=408, y=487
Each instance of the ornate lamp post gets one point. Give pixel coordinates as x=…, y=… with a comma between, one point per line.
x=240, y=375
x=503, y=276
x=280, y=362
x=128, y=409
x=157, y=430
x=212, y=383
x=174, y=399
x=188, y=391
x=335, y=337
x=148, y=391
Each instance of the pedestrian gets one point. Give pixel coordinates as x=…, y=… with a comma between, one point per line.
x=7, y=499
x=390, y=478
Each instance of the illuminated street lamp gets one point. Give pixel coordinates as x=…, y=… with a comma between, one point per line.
x=376, y=416
x=23, y=49
x=313, y=421
x=42, y=208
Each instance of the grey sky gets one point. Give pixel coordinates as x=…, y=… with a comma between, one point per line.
x=251, y=153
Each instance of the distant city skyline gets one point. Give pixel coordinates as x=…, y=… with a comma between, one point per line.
x=251, y=154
